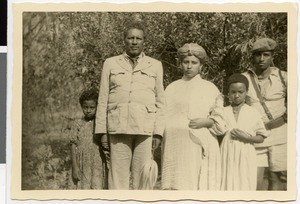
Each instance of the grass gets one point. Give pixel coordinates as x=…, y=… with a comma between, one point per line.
x=45, y=152
x=46, y=161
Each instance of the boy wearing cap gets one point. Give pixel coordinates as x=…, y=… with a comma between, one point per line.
x=267, y=93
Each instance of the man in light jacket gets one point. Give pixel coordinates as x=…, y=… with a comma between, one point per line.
x=130, y=108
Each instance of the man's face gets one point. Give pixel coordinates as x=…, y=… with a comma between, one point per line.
x=134, y=42
x=262, y=60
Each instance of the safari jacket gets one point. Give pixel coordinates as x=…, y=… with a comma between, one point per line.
x=131, y=100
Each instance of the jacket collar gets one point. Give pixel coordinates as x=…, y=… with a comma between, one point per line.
x=138, y=58
x=143, y=62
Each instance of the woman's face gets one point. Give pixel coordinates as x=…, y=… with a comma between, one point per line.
x=191, y=66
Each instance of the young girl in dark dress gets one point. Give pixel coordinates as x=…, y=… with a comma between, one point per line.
x=88, y=160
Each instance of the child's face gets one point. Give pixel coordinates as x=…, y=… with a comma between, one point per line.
x=237, y=93
x=89, y=109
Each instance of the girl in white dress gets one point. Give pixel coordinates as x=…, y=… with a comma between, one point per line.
x=243, y=128
x=191, y=154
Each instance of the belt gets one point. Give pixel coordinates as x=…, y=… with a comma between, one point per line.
x=275, y=123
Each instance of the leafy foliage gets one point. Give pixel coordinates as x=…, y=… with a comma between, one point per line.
x=45, y=163
x=63, y=52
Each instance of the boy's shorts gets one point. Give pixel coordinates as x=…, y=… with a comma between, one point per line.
x=274, y=157
x=262, y=156
x=278, y=157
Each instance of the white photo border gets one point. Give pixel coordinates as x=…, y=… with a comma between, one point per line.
x=16, y=108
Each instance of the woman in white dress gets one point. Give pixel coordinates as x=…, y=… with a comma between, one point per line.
x=191, y=154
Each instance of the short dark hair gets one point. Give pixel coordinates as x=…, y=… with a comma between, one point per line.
x=237, y=77
x=88, y=94
x=135, y=24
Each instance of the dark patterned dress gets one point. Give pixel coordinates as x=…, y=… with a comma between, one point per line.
x=90, y=158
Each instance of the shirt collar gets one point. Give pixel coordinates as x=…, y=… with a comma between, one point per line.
x=195, y=78
x=273, y=72
x=138, y=58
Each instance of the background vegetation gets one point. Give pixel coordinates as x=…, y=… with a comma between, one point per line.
x=64, y=52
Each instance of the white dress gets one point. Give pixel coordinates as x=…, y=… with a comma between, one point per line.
x=191, y=157
x=239, y=168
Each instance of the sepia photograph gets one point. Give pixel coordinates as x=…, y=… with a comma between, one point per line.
x=163, y=101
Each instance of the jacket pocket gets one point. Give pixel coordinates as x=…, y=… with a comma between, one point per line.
x=113, y=119
x=148, y=77
x=149, y=119
x=151, y=108
x=149, y=73
x=117, y=77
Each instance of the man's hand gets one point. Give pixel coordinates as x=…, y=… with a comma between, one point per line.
x=104, y=142
x=156, y=141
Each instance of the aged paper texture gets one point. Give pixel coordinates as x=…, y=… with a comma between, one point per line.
x=40, y=183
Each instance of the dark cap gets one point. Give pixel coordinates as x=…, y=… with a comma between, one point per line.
x=263, y=44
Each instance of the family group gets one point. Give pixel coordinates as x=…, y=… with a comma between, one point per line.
x=133, y=115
